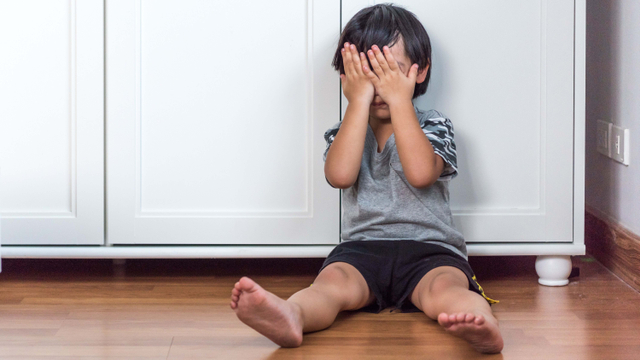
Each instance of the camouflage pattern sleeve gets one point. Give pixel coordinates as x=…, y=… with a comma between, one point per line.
x=439, y=129
x=329, y=135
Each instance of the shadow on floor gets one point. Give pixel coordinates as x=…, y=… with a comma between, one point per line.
x=485, y=267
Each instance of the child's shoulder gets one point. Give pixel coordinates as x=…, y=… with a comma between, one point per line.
x=433, y=117
x=332, y=131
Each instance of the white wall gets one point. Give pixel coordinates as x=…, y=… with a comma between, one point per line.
x=613, y=94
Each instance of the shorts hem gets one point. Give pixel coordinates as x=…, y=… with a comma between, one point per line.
x=408, y=306
x=368, y=278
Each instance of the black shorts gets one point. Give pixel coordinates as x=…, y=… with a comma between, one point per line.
x=393, y=268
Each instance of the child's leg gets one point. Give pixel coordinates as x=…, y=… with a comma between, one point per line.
x=443, y=294
x=339, y=286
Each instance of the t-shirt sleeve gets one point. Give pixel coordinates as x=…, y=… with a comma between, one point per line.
x=439, y=129
x=329, y=135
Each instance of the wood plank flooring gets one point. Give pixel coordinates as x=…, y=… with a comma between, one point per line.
x=179, y=309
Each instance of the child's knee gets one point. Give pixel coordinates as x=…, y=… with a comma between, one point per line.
x=342, y=281
x=339, y=273
x=446, y=279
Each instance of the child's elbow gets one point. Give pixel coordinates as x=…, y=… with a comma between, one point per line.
x=422, y=185
x=338, y=178
x=338, y=184
x=423, y=182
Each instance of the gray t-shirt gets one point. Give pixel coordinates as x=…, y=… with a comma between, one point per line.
x=382, y=205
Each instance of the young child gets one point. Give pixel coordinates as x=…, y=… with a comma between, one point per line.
x=393, y=162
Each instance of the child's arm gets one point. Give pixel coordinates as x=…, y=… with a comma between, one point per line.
x=420, y=164
x=342, y=165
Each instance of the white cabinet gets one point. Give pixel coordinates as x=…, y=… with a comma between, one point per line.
x=214, y=120
x=51, y=122
x=215, y=123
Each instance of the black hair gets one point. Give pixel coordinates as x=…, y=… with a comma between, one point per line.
x=382, y=25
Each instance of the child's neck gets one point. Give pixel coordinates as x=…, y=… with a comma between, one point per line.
x=380, y=125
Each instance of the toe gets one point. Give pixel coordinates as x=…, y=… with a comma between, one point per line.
x=460, y=317
x=235, y=298
x=233, y=305
x=469, y=318
x=235, y=292
x=246, y=284
x=479, y=320
x=443, y=320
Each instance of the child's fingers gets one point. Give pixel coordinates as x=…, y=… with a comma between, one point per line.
x=348, y=62
x=371, y=75
x=364, y=63
x=374, y=63
x=345, y=60
x=393, y=64
x=356, y=60
x=413, y=72
x=345, y=63
x=381, y=60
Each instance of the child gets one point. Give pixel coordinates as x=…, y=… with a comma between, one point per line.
x=393, y=162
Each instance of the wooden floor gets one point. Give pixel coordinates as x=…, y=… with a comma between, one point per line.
x=179, y=309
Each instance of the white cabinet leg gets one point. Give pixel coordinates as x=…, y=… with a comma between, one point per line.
x=553, y=270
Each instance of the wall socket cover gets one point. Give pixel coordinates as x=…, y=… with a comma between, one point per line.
x=619, y=144
x=613, y=141
x=602, y=138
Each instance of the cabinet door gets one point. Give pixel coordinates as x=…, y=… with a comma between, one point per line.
x=502, y=71
x=216, y=112
x=51, y=122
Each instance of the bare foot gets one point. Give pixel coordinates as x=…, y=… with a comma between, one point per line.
x=271, y=316
x=483, y=335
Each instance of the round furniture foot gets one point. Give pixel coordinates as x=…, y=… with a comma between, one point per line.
x=553, y=270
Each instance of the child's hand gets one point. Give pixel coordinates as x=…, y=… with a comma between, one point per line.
x=355, y=84
x=390, y=82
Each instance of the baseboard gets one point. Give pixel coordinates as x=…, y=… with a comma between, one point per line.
x=616, y=247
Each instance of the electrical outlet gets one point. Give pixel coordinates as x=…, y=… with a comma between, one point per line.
x=619, y=144
x=602, y=138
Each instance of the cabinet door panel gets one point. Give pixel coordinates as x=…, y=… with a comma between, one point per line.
x=51, y=122
x=215, y=122
x=503, y=72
